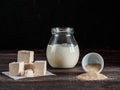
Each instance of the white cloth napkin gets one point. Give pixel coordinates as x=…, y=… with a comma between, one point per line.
x=20, y=77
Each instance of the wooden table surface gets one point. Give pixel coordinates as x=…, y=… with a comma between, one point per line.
x=65, y=79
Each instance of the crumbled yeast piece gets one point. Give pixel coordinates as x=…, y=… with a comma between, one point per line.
x=30, y=66
x=29, y=73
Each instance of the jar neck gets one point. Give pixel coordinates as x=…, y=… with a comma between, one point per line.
x=62, y=36
x=66, y=30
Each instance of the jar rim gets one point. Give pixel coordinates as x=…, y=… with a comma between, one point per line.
x=62, y=30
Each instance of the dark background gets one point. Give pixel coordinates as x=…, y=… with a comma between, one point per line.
x=26, y=24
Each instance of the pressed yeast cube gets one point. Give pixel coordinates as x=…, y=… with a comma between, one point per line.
x=25, y=56
x=16, y=68
x=40, y=68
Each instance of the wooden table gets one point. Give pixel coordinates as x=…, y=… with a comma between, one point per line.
x=65, y=79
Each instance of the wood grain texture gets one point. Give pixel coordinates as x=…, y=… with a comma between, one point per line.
x=65, y=79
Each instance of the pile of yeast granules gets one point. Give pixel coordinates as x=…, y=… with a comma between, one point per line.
x=92, y=73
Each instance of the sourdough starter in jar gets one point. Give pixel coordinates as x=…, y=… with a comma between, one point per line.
x=62, y=55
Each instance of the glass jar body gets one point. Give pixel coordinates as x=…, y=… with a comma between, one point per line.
x=62, y=50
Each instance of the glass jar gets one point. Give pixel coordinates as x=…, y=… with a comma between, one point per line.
x=62, y=50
